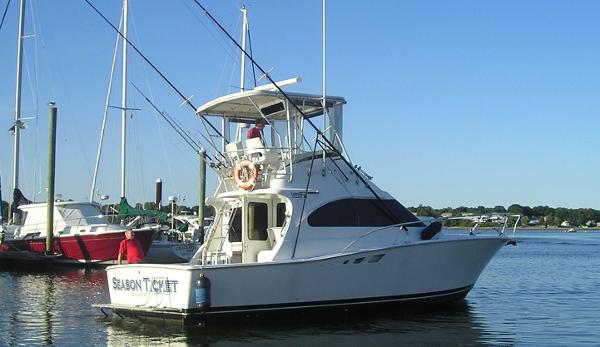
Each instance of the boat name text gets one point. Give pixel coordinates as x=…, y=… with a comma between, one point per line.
x=145, y=284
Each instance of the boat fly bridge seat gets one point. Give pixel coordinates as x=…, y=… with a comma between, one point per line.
x=234, y=150
x=257, y=152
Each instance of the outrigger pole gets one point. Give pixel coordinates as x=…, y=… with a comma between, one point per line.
x=319, y=132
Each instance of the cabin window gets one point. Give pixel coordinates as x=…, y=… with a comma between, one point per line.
x=235, y=225
x=280, y=214
x=258, y=221
x=361, y=213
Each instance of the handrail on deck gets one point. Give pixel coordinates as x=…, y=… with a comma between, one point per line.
x=401, y=225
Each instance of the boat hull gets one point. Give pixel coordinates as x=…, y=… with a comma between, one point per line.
x=91, y=248
x=425, y=271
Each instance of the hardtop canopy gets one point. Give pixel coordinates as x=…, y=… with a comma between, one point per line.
x=259, y=103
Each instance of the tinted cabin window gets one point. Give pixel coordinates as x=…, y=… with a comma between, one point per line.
x=361, y=213
x=280, y=214
x=258, y=221
x=235, y=225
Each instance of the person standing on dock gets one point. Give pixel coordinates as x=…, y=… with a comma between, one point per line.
x=131, y=248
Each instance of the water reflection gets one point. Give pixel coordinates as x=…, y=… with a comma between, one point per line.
x=449, y=325
x=44, y=306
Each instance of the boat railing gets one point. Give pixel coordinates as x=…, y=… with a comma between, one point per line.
x=503, y=220
x=493, y=219
x=399, y=227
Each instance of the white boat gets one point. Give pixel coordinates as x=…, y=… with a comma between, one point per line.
x=176, y=245
x=297, y=228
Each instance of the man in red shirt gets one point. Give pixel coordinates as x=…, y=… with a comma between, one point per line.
x=130, y=247
x=256, y=131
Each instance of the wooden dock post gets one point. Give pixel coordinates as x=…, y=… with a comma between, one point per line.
x=51, y=177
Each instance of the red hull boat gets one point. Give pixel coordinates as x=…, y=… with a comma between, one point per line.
x=82, y=235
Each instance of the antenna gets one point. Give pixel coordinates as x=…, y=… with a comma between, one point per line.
x=124, y=98
x=324, y=69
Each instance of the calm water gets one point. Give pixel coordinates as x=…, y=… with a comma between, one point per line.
x=542, y=292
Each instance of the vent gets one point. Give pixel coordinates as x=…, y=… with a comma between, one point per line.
x=358, y=260
x=376, y=258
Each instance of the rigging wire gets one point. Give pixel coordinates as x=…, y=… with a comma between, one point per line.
x=34, y=88
x=251, y=55
x=105, y=114
x=312, y=161
x=384, y=208
x=183, y=97
x=229, y=50
x=4, y=15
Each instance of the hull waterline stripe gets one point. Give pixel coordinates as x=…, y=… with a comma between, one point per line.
x=333, y=303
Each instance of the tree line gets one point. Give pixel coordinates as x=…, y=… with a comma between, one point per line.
x=543, y=216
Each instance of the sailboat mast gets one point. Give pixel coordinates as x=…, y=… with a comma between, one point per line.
x=124, y=98
x=17, y=128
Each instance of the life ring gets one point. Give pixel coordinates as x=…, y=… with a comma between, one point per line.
x=245, y=174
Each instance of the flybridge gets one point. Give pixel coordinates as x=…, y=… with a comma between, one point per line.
x=285, y=113
x=269, y=103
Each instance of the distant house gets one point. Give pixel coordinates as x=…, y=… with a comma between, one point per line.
x=535, y=221
x=590, y=223
x=565, y=224
x=446, y=214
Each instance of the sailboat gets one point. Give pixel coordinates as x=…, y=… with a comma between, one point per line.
x=299, y=227
x=82, y=233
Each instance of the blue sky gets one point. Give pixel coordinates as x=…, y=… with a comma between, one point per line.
x=449, y=103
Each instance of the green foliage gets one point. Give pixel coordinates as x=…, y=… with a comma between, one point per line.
x=547, y=216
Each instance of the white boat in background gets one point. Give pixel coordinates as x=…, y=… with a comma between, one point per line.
x=296, y=228
x=176, y=245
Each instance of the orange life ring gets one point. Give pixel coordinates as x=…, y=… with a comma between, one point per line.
x=245, y=174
